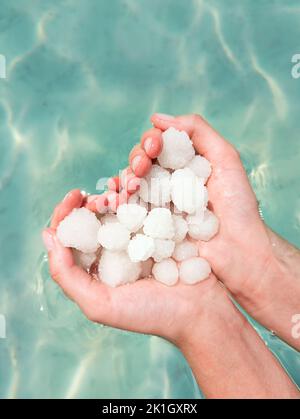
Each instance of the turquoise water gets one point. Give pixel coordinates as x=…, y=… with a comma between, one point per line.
x=82, y=79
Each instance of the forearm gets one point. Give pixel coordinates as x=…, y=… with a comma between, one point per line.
x=276, y=302
x=229, y=360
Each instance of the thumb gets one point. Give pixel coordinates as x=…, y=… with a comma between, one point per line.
x=206, y=140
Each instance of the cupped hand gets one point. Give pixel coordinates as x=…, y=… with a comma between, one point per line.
x=146, y=306
x=241, y=253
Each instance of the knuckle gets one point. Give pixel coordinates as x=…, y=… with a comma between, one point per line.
x=196, y=118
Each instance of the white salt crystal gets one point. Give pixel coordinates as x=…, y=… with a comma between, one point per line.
x=147, y=266
x=166, y=272
x=177, y=149
x=181, y=228
x=194, y=270
x=113, y=236
x=201, y=167
x=185, y=250
x=84, y=260
x=188, y=191
x=131, y=216
x=140, y=248
x=155, y=187
x=115, y=268
x=163, y=249
x=203, y=227
x=79, y=230
x=159, y=224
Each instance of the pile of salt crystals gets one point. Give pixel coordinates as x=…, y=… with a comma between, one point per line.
x=156, y=232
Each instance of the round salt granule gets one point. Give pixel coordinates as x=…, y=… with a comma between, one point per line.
x=113, y=236
x=79, y=230
x=115, y=268
x=155, y=187
x=194, y=270
x=84, y=260
x=147, y=266
x=203, y=227
x=163, y=249
x=166, y=272
x=188, y=191
x=159, y=224
x=185, y=250
x=140, y=248
x=131, y=216
x=177, y=149
x=181, y=228
x=201, y=167
x=109, y=218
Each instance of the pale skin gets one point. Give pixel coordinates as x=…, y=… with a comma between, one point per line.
x=249, y=261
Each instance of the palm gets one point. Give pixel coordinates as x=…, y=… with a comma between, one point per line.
x=146, y=306
x=242, y=240
x=242, y=233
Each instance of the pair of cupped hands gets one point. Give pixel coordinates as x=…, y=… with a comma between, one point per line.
x=241, y=254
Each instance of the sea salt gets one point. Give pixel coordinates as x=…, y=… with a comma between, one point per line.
x=203, y=227
x=177, y=149
x=132, y=216
x=113, y=236
x=201, y=167
x=194, y=270
x=188, y=191
x=185, y=250
x=163, y=249
x=141, y=248
x=116, y=268
x=155, y=187
x=166, y=272
x=159, y=224
x=79, y=230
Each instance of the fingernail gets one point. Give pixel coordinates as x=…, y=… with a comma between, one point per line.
x=134, y=184
x=165, y=117
x=148, y=145
x=135, y=162
x=67, y=196
x=48, y=240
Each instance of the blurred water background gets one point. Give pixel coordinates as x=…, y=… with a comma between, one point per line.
x=82, y=79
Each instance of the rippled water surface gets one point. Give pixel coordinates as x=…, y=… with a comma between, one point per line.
x=82, y=79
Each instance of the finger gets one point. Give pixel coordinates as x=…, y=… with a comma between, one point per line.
x=73, y=199
x=206, y=140
x=92, y=297
x=139, y=162
x=152, y=142
x=102, y=203
x=115, y=199
x=129, y=181
x=114, y=184
x=90, y=203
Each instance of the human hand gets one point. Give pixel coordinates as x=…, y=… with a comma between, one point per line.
x=241, y=251
x=147, y=306
x=261, y=270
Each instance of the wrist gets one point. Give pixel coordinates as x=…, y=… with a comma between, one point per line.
x=214, y=317
x=273, y=297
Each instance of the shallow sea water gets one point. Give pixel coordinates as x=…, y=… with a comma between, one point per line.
x=82, y=80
